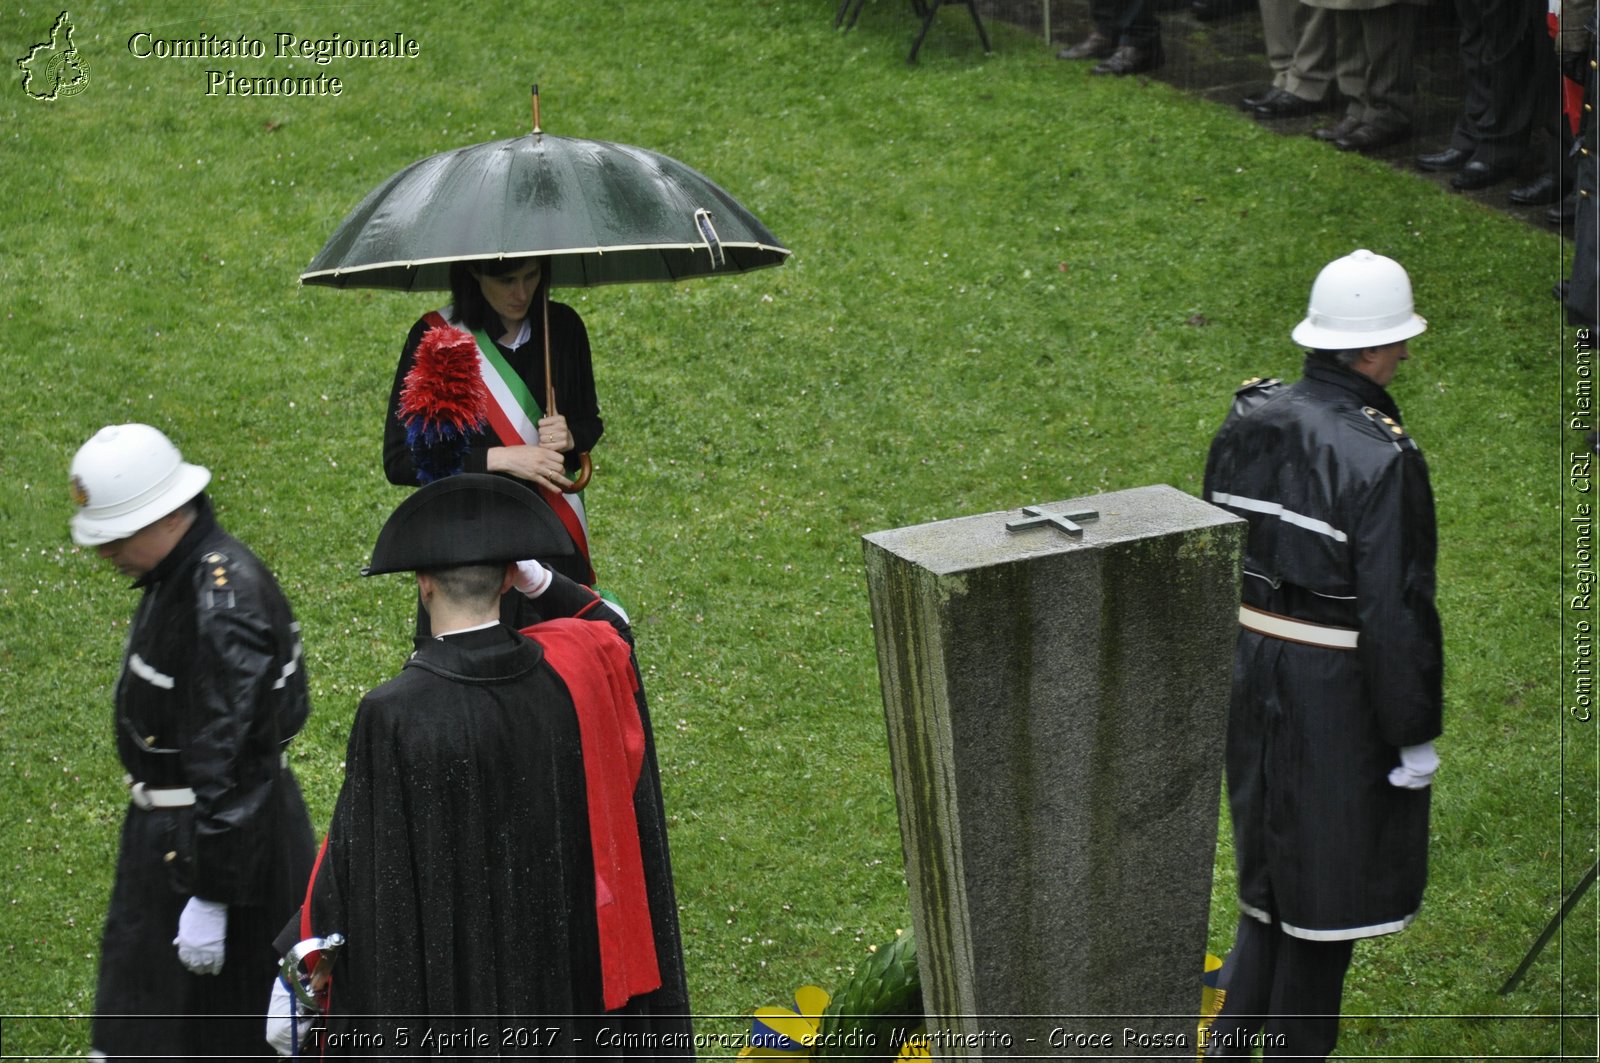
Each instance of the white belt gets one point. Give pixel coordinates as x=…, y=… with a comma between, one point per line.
x=146, y=798
x=1290, y=630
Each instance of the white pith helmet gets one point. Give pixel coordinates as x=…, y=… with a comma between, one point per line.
x=1360, y=300
x=126, y=477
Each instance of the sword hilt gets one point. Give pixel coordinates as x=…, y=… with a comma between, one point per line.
x=308, y=986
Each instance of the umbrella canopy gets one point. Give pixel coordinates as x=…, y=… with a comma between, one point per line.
x=597, y=212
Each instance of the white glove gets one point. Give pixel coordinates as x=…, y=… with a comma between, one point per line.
x=202, y=933
x=282, y=1024
x=1417, y=765
x=533, y=579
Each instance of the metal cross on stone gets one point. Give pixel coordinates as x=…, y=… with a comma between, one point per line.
x=1066, y=522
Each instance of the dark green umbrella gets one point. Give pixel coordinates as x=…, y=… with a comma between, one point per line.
x=599, y=213
x=594, y=211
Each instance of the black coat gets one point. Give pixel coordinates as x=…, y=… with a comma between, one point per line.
x=212, y=690
x=1583, y=289
x=458, y=867
x=575, y=399
x=1341, y=534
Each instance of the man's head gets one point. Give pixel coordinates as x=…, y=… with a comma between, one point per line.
x=463, y=535
x=465, y=590
x=134, y=494
x=1361, y=315
x=1378, y=364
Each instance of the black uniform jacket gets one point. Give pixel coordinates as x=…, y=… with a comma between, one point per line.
x=458, y=868
x=1582, y=295
x=1341, y=534
x=211, y=692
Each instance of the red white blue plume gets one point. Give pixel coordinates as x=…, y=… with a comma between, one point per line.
x=444, y=402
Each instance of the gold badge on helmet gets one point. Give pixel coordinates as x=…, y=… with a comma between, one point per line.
x=80, y=493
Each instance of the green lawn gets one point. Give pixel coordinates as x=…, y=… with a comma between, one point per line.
x=1011, y=284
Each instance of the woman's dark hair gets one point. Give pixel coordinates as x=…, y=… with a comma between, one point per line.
x=471, y=310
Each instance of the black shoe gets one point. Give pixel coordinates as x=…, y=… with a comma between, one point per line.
x=1130, y=59
x=1564, y=212
x=1367, y=138
x=1339, y=130
x=1546, y=188
x=1443, y=161
x=1095, y=46
x=1477, y=174
x=1251, y=102
x=1282, y=103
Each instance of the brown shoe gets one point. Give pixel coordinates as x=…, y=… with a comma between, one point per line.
x=1095, y=46
x=1342, y=128
x=1129, y=59
x=1368, y=138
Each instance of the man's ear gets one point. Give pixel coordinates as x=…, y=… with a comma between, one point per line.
x=509, y=577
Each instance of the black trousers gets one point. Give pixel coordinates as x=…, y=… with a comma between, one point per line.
x=1509, y=79
x=1284, y=987
x=1128, y=22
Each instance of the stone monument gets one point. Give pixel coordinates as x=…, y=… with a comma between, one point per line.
x=1055, y=685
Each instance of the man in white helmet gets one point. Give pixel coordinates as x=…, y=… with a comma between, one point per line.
x=1337, y=674
x=216, y=845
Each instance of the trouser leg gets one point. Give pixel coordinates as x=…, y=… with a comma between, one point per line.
x=1313, y=68
x=1350, y=61
x=1279, y=35
x=1250, y=969
x=1307, y=988
x=1506, y=86
x=1128, y=22
x=1475, y=98
x=1140, y=26
x=1388, y=43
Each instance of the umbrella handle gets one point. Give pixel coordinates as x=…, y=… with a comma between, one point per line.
x=585, y=471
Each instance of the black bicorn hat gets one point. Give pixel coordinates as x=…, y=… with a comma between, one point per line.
x=468, y=519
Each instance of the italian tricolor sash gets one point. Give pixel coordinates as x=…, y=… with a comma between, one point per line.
x=513, y=418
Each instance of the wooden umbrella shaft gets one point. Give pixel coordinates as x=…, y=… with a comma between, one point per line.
x=549, y=379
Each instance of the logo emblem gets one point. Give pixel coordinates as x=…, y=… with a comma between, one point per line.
x=80, y=493
x=54, y=69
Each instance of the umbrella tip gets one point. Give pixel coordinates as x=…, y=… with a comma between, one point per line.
x=536, y=128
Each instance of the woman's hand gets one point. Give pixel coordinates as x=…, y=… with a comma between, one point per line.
x=538, y=465
x=554, y=435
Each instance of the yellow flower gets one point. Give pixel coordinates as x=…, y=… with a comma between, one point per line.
x=778, y=1033
x=915, y=1048
x=1211, y=998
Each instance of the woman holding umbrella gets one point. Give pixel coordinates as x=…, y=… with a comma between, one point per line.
x=498, y=223
x=501, y=302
